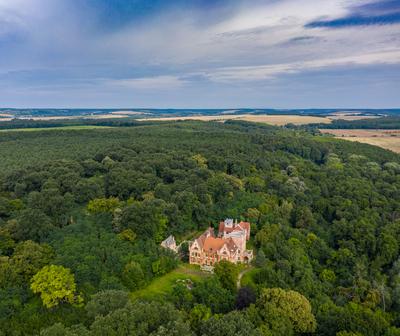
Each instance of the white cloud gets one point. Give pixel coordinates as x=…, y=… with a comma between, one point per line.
x=283, y=13
x=146, y=83
x=261, y=72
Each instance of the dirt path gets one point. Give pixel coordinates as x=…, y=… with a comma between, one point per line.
x=240, y=276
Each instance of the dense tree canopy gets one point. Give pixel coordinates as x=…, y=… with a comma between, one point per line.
x=82, y=215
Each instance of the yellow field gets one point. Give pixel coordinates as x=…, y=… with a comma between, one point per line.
x=128, y=112
x=388, y=139
x=278, y=120
x=281, y=120
x=350, y=116
x=95, y=116
x=392, y=144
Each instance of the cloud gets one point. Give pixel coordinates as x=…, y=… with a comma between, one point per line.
x=149, y=83
x=262, y=72
x=356, y=20
x=214, y=47
x=382, y=12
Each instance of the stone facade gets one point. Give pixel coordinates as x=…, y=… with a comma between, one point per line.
x=170, y=243
x=229, y=244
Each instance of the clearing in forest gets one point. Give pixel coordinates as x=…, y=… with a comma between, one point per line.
x=161, y=286
x=387, y=139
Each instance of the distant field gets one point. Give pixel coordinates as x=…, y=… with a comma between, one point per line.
x=5, y=117
x=278, y=120
x=351, y=116
x=388, y=139
x=128, y=112
x=61, y=128
x=281, y=120
x=94, y=116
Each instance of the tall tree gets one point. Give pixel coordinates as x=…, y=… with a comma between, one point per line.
x=56, y=285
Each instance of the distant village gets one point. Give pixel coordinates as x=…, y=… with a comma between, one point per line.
x=229, y=244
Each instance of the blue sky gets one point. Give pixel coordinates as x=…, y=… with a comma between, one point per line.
x=200, y=53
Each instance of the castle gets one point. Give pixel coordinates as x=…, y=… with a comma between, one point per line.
x=230, y=244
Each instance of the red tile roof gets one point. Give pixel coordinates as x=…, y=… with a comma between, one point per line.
x=208, y=233
x=236, y=227
x=212, y=244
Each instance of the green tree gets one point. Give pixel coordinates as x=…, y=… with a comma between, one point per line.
x=260, y=258
x=245, y=297
x=59, y=329
x=56, y=285
x=29, y=257
x=200, y=160
x=103, y=205
x=211, y=293
x=227, y=273
x=30, y=224
x=232, y=324
x=6, y=242
x=147, y=219
x=182, y=296
x=142, y=319
x=8, y=275
x=290, y=305
x=127, y=235
x=198, y=314
x=105, y=302
x=133, y=276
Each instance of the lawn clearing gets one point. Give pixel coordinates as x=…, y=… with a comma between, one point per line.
x=162, y=286
x=247, y=278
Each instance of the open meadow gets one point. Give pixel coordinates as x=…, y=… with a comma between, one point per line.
x=388, y=139
x=278, y=120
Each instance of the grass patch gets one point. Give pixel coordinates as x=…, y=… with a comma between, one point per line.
x=162, y=286
x=60, y=128
x=247, y=279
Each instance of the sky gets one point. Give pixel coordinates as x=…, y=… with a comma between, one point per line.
x=200, y=53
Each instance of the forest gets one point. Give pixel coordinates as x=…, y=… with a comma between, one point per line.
x=388, y=122
x=83, y=212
